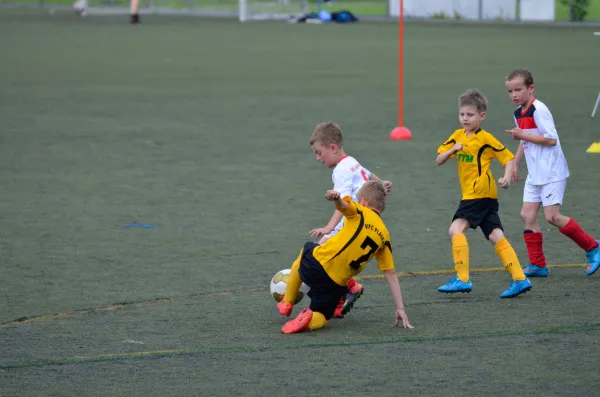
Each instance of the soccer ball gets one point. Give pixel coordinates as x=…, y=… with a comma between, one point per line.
x=279, y=282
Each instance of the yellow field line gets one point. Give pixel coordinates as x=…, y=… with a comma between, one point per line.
x=452, y=271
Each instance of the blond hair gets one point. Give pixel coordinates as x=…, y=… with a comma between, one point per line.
x=374, y=193
x=475, y=98
x=525, y=74
x=326, y=134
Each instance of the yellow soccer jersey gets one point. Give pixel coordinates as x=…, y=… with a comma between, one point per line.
x=363, y=236
x=479, y=149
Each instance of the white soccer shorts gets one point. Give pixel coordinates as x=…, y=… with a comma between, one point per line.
x=549, y=194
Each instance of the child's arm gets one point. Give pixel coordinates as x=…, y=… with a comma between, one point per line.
x=443, y=157
x=394, y=285
x=518, y=157
x=386, y=184
x=321, y=231
x=504, y=182
x=518, y=134
x=340, y=205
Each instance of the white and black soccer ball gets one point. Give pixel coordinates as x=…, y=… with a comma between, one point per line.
x=279, y=283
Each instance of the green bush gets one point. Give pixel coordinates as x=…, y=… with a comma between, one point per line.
x=579, y=8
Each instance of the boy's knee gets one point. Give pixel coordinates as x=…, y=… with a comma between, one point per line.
x=496, y=235
x=527, y=215
x=451, y=232
x=552, y=218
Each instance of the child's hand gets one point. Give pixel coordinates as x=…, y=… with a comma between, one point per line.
x=516, y=133
x=401, y=315
x=388, y=187
x=320, y=232
x=515, y=175
x=457, y=147
x=504, y=182
x=332, y=195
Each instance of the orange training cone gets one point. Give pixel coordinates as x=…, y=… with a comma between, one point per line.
x=400, y=134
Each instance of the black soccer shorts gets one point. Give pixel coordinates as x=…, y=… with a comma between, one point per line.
x=324, y=294
x=482, y=213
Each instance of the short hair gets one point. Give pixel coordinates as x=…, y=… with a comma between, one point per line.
x=326, y=134
x=525, y=74
x=374, y=193
x=475, y=98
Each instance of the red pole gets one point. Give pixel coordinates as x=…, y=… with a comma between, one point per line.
x=400, y=132
x=401, y=66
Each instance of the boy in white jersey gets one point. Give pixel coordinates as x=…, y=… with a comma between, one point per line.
x=546, y=178
x=348, y=177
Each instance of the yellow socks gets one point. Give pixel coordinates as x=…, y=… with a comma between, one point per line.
x=460, y=253
x=293, y=282
x=508, y=256
x=318, y=321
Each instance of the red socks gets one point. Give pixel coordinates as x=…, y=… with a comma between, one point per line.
x=534, y=241
x=573, y=231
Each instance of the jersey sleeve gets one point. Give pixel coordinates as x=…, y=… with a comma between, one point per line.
x=367, y=174
x=447, y=145
x=545, y=122
x=385, y=259
x=342, y=184
x=500, y=151
x=352, y=209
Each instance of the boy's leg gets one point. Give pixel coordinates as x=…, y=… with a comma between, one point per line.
x=532, y=234
x=460, y=254
x=492, y=230
x=552, y=198
x=291, y=289
x=324, y=297
x=589, y=244
x=355, y=291
x=306, y=321
x=134, y=7
x=508, y=256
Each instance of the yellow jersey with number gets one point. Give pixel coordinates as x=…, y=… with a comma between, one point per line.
x=362, y=237
x=474, y=159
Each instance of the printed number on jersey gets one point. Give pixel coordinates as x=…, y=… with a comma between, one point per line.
x=356, y=264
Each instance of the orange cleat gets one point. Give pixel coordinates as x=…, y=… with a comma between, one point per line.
x=299, y=324
x=285, y=308
x=353, y=294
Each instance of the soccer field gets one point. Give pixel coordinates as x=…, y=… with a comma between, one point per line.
x=200, y=128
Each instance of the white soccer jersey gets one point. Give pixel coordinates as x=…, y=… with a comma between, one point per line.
x=545, y=164
x=349, y=176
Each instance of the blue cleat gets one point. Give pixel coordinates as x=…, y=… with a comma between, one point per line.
x=593, y=259
x=535, y=271
x=517, y=288
x=455, y=285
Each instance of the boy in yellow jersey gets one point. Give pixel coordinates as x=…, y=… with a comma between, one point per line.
x=348, y=176
x=475, y=149
x=327, y=268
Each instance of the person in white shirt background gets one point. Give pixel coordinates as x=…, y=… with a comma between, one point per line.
x=547, y=175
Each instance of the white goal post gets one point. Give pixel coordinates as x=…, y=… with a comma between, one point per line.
x=253, y=10
x=244, y=10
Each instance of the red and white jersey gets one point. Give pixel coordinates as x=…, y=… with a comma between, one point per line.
x=349, y=176
x=545, y=163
